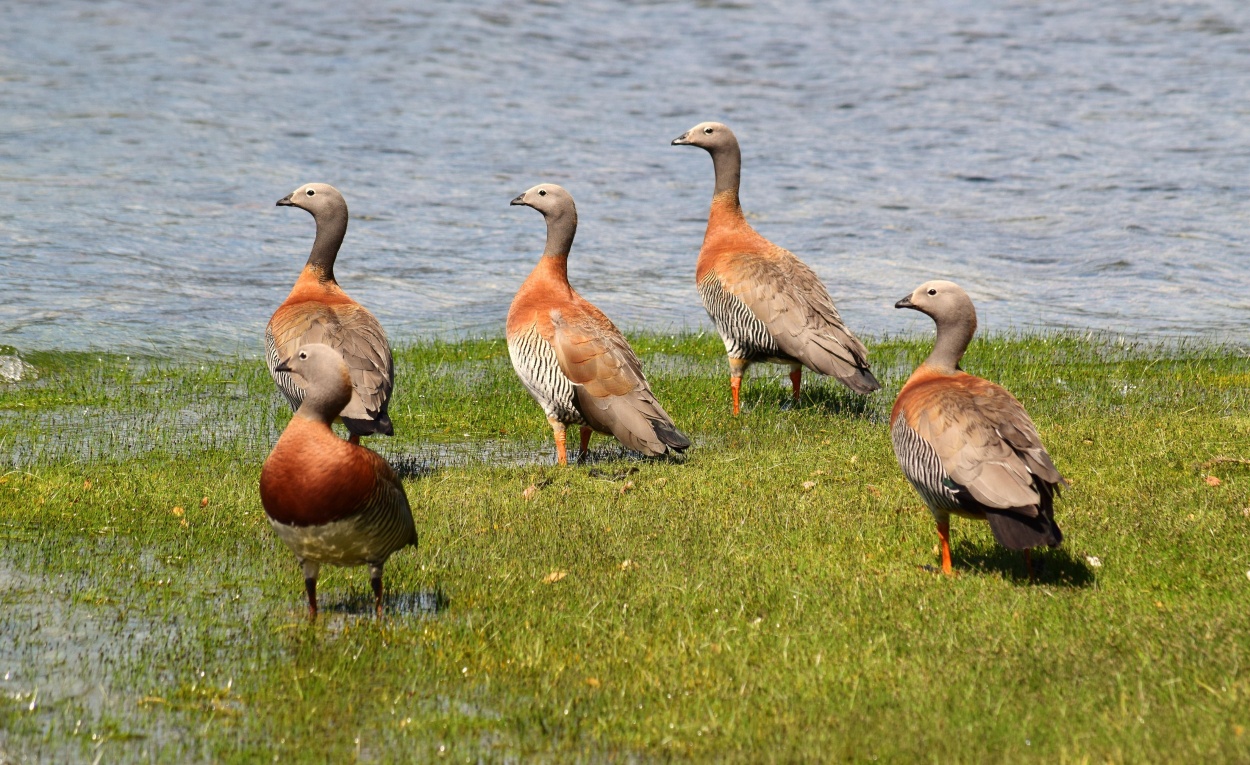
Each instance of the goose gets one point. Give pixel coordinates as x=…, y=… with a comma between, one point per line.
x=766, y=304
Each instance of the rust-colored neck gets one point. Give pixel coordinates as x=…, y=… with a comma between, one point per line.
x=726, y=213
x=553, y=268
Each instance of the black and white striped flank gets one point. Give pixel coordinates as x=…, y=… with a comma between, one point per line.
x=536, y=364
x=744, y=334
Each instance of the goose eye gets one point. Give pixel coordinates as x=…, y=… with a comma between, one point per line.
x=303, y=354
x=932, y=291
x=707, y=131
x=311, y=193
x=542, y=192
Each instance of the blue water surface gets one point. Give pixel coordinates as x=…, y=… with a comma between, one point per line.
x=1073, y=164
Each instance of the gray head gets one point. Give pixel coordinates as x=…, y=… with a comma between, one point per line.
x=708, y=135
x=549, y=199
x=722, y=144
x=327, y=381
x=329, y=210
x=956, y=318
x=944, y=301
x=557, y=207
x=320, y=199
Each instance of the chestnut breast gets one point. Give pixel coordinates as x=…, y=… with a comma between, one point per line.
x=313, y=477
x=930, y=390
x=728, y=233
x=546, y=289
x=309, y=287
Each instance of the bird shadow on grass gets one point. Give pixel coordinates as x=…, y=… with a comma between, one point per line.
x=419, y=603
x=1057, y=568
x=614, y=453
x=832, y=400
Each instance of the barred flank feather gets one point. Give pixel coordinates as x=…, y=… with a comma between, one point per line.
x=536, y=364
x=922, y=467
x=744, y=335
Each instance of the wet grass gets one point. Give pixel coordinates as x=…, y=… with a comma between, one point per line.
x=765, y=600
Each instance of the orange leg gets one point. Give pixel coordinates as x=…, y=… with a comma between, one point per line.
x=796, y=377
x=562, y=454
x=585, y=450
x=737, y=368
x=944, y=536
x=354, y=438
x=557, y=428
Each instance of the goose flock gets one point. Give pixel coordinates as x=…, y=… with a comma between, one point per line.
x=965, y=444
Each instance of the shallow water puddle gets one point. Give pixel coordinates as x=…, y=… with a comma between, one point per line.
x=395, y=605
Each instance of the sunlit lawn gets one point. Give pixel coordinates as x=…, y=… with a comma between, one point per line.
x=766, y=600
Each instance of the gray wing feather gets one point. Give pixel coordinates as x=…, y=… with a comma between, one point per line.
x=793, y=303
x=612, y=393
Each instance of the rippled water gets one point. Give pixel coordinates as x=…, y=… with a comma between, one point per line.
x=1073, y=164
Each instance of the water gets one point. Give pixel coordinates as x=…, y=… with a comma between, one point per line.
x=1072, y=164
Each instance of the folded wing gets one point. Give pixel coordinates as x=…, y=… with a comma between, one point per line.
x=611, y=392
x=994, y=460
x=791, y=301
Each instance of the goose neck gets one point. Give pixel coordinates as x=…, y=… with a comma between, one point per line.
x=331, y=228
x=953, y=337
x=727, y=162
x=561, y=228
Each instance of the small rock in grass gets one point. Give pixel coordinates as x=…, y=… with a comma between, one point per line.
x=13, y=369
x=1094, y=561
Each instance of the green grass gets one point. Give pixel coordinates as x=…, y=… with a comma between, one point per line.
x=764, y=601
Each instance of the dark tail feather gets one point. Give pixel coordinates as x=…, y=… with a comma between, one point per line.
x=1017, y=532
x=381, y=426
x=384, y=425
x=861, y=382
x=1020, y=532
x=670, y=436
